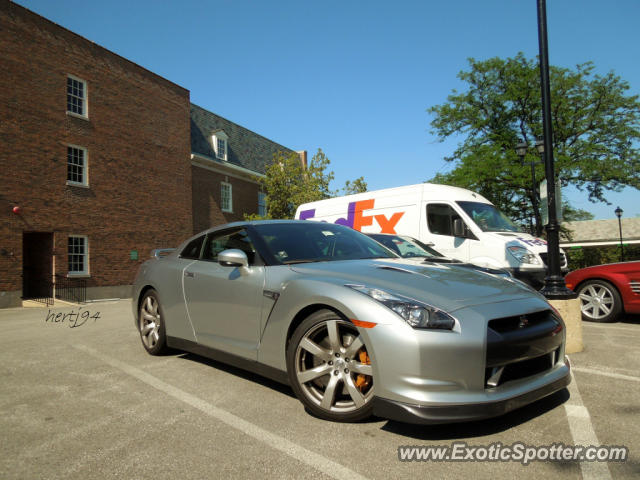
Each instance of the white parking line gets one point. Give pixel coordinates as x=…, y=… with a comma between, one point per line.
x=315, y=460
x=583, y=434
x=606, y=374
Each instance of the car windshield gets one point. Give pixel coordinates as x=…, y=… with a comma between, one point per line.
x=488, y=217
x=310, y=241
x=406, y=247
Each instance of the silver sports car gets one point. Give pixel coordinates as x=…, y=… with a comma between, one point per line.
x=352, y=327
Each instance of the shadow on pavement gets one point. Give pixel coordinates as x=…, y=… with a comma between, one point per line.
x=421, y=432
x=238, y=372
x=629, y=318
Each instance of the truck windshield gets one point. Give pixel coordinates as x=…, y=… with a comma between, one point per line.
x=488, y=217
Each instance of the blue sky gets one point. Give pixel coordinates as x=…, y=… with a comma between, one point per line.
x=352, y=77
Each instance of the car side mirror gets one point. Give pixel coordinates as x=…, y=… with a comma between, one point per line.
x=459, y=229
x=233, y=258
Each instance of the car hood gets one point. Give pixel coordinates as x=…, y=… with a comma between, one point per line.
x=445, y=286
x=457, y=263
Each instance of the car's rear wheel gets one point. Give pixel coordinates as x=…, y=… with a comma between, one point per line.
x=599, y=301
x=151, y=324
x=330, y=369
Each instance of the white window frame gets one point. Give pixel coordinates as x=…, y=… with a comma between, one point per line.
x=85, y=271
x=85, y=98
x=221, y=153
x=85, y=168
x=262, y=204
x=226, y=208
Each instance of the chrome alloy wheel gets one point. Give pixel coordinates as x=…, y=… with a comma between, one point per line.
x=150, y=322
x=332, y=367
x=596, y=301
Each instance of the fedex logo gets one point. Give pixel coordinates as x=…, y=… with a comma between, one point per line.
x=356, y=218
x=535, y=242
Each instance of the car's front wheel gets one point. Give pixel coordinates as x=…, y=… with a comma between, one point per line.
x=151, y=324
x=330, y=368
x=599, y=301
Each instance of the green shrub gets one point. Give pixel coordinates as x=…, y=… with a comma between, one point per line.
x=581, y=257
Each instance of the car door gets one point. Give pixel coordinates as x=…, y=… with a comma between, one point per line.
x=224, y=303
x=440, y=218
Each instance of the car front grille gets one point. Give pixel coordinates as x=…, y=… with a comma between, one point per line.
x=521, y=346
x=497, y=376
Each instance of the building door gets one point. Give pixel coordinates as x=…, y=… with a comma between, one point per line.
x=37, y=264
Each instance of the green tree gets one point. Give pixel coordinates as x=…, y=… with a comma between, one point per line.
x=288, y=183
x=596, y=129
x=356, y=186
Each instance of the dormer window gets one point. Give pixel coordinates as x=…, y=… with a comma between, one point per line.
x=219, y=141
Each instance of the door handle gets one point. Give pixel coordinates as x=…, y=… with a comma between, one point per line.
x=189, y=274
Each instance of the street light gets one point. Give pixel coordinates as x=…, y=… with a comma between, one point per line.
x=619, y=213
x=554, y=286
x=521, y=150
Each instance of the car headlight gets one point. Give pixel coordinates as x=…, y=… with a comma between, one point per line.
x=416, y=314
x=523, y=255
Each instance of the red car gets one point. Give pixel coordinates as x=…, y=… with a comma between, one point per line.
x=607, y=290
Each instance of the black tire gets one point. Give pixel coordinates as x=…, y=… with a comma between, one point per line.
x=151, y=324
x=329, y=351
x=599, y=301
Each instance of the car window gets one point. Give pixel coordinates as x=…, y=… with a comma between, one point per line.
x=440, y=217
x=218, y=241
x=192, y=250
x=316, y=242
x=404, y=246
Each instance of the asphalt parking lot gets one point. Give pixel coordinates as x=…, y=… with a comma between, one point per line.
x=89, y=402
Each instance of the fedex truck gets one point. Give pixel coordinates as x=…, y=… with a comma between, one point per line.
x=457, y=222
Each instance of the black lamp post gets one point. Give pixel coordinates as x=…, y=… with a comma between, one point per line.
x=521, y=150
x=619, y=213
x=554, y=286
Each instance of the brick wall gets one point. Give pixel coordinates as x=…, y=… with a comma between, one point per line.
x=207, y=198
x=138, y=142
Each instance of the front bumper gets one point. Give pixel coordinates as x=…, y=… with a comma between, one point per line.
x=534, y=278
x=452, y=413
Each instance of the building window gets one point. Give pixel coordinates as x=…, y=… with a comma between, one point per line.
x=262, y=204
x=226, y=199
x=77, y=166
x=78, y=255
x=76, y=96
x=220, y=144
x=221, y=150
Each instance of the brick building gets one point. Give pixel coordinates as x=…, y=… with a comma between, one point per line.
x=226, y=161
x=96, y=163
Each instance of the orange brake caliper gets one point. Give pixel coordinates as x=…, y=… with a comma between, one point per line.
x=362, y=381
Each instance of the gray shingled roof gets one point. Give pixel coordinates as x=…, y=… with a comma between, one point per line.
x=589, y=231
x=244, y=148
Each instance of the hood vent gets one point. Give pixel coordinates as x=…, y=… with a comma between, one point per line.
x=396, y=269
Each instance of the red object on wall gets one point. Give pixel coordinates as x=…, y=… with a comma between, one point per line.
x=17, y=210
